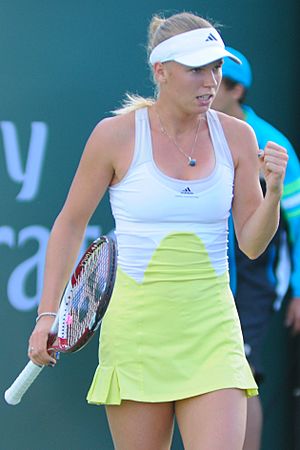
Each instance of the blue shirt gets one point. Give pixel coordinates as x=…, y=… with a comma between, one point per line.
x=290, y=206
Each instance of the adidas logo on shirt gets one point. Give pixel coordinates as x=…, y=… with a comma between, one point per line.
x=187, y=191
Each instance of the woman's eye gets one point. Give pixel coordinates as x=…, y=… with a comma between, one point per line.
x=218, y=67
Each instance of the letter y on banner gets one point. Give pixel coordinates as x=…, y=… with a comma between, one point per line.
x=31, y=175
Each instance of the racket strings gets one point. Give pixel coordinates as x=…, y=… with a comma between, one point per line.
x=87, y=294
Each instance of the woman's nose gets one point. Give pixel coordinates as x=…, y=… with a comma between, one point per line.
x=210, y=78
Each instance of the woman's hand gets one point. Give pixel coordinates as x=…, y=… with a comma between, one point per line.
x=37, y=347
x=273, y=161
x=293, y=315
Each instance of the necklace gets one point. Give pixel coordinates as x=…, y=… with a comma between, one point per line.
x=191, y=161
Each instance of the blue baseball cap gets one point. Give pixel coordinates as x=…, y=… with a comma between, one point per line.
x=241, y=73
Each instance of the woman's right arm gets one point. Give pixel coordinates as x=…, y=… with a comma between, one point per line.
x=93, y=176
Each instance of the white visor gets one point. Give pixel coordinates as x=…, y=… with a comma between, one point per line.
x=194, y=48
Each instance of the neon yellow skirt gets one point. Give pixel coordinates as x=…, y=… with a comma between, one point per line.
x=173, y=338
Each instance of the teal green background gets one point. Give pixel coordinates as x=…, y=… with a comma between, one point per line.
x=67, y=64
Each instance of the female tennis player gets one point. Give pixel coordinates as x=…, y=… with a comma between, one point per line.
x=171, y=342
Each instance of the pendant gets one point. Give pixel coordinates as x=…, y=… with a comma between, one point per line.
x=192, y=162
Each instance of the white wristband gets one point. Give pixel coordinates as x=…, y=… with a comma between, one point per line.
x=53, y=314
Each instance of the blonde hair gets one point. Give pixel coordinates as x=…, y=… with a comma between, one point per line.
x=159, y=30
x=132, y=102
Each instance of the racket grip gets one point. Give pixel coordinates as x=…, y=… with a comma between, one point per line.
x=15, y=392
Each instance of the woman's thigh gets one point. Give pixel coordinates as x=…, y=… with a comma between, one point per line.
x=138, y=425
x=213, y=421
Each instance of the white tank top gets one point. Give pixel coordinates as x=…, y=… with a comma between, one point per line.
x=148, y=205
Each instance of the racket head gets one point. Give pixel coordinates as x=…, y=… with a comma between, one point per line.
x=86, y=297
x=85, y=300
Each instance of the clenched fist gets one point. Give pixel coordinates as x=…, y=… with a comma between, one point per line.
x=273, y=160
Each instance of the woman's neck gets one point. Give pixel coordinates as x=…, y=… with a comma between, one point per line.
x=176, y=120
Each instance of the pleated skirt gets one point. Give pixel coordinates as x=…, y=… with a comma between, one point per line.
x=171, y=339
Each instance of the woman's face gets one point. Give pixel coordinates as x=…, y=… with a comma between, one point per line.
x=192, y=89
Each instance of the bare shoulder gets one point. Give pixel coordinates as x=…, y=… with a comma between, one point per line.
x=114, y=131
x=111, y=142
x=111, y=145
x=240, y=137
x=233, y=125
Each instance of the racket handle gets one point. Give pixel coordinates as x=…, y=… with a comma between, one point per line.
x=15, y=392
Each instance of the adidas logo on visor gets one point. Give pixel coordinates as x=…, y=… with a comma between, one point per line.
x=211, y=37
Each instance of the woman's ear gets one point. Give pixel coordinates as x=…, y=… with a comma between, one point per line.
x=238, y=91
x=159, y=72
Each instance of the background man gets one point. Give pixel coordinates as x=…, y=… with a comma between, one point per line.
x=260, y=285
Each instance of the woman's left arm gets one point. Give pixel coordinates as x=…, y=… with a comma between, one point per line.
x=256, y=217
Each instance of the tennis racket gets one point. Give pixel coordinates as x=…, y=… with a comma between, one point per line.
x=83, y=305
